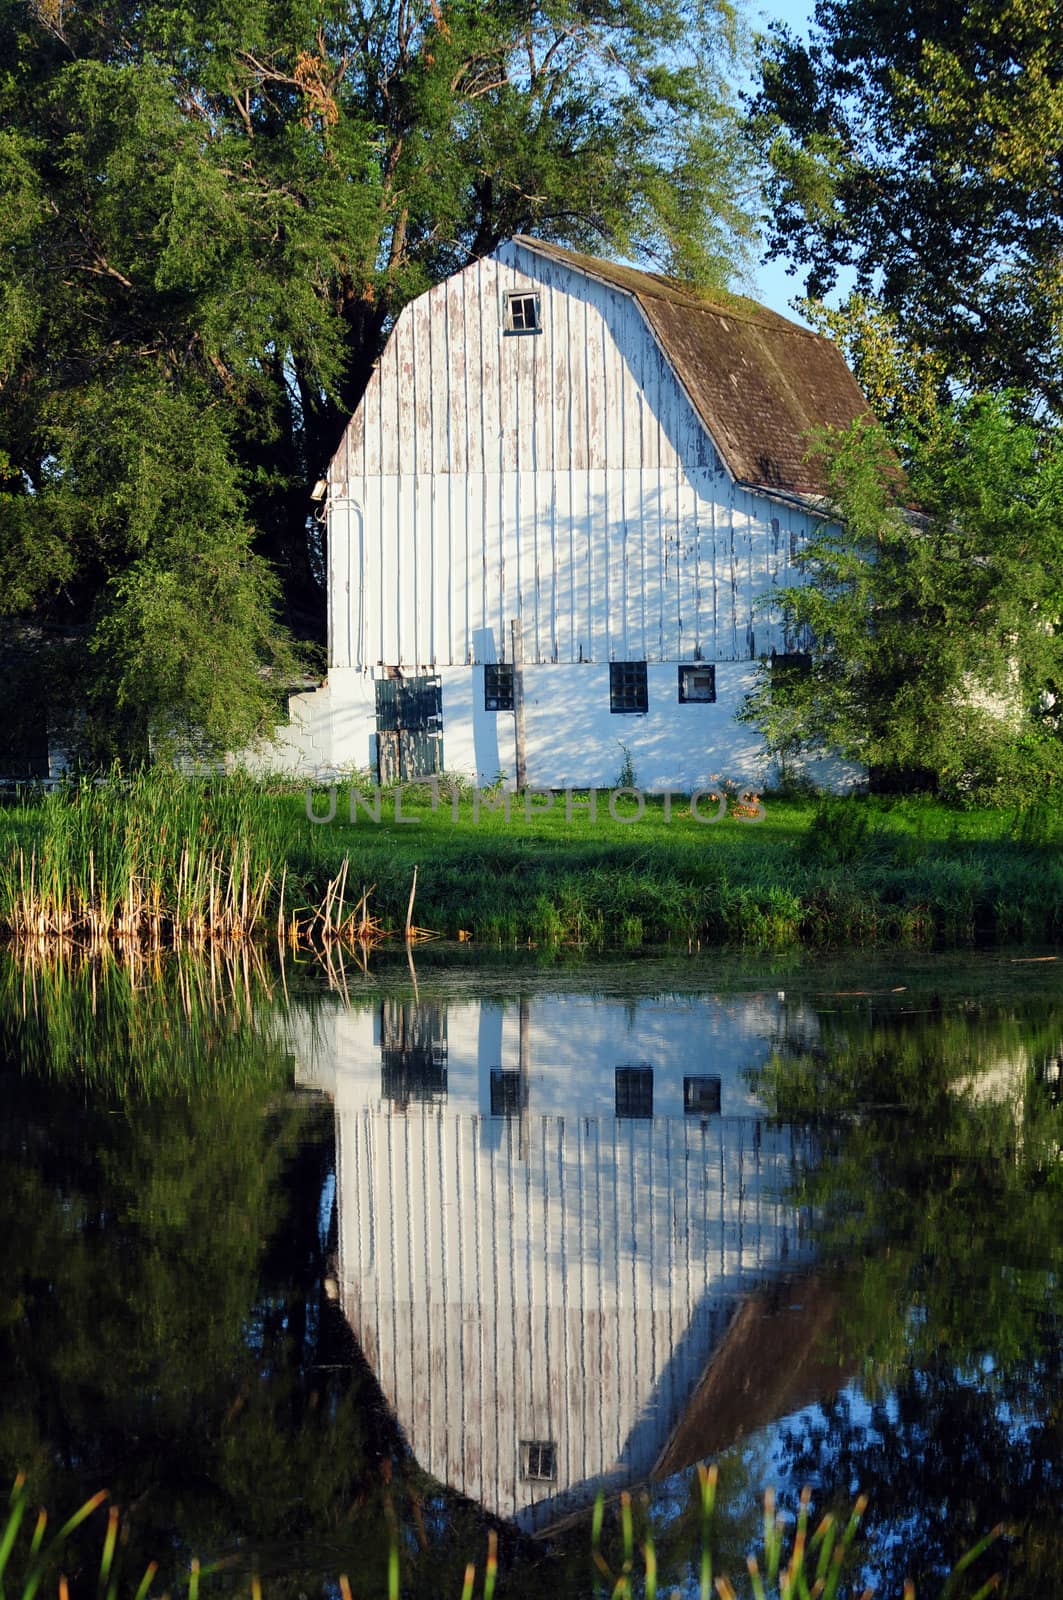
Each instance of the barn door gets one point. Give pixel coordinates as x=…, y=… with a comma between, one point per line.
x=413, y=1051
x=409, y=728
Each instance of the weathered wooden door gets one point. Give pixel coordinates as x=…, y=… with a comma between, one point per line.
x=413, y=1052
x=409, y=728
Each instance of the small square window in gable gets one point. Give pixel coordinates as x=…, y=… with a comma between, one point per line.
x=627, y=686
x=498, y=686
x=522, y=313
x=538, y=1460
x=697, y=682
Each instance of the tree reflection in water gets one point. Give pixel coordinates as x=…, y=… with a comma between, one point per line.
x=942, y=1178
x=167, y=1232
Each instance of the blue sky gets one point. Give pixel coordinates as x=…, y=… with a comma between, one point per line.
x=772, y=285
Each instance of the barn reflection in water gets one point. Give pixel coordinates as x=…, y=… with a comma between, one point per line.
x=565, y=1246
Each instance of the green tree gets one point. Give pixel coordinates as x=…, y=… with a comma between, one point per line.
x=212, y=216
x=922, y=149
x=935, y=636
x=942, y=1203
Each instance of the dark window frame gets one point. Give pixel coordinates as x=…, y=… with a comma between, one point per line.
x=515, y=322
x=633, y=1091
x=629, y=693
x=508, y=1092
x=791, y=663
x=538, y=1460
x=686, y=699
x=693, y=1105
x=498, y=686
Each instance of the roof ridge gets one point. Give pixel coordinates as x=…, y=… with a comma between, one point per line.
x=659, y=285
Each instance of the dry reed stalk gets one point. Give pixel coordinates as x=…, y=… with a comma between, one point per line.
x=211, y=897
x=258, y=903
x=339, y=894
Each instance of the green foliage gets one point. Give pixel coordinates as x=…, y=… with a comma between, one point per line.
x=1040, y=823
x=141, y=1030
x=212, y=217
x=184, y=653
x=162, y=1253
x=937, y=1191
x=926, y=159
x=937, y=640
x=922, y=873
x=840, y=832
x=156, y=857
x=625, y=778
x=812, y=1564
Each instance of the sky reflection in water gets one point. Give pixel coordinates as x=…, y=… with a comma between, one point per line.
x=474, y=1248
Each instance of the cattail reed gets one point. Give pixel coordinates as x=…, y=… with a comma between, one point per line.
x=161, y=860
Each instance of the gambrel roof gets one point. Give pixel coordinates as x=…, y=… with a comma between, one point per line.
x=760, y=383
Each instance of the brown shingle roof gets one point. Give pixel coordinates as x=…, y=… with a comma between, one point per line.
x=783, y=1350
x=760, y=383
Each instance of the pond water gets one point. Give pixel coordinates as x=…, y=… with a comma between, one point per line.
x=298, y=1265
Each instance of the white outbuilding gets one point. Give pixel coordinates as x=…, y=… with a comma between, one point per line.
x=557, y=523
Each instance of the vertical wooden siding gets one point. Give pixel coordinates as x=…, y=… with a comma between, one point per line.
x=562, y=477
x=567, y=1289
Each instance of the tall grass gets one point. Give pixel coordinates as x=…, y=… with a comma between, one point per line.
x=161, y=859
x=157, y=858
x=124, y=1022
x=798, y=1564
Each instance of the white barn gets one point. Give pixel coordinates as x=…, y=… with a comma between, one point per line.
x=595, y=470
x=571, y=1265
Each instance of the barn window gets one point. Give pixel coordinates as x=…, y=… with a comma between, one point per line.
x=788, y=665
x=697, y=682
x=701, y=1097
x=634, y=1091
x=507, y=1093
x=498, y=686
x=538, y=1459
x=522, y=313
x=627, y=686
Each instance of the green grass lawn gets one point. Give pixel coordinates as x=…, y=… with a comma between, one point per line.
x=862, y=871
x=870, y=871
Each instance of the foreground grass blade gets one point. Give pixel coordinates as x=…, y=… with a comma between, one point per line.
x=38, y=1531
x=650, y=1557
x=146, y=1581
x=968, y=1560
x=824, y=1536
x=600, y=1563
x=708, y=1477
x=79, y=1516
x=14, y=1519
x=106, y=1585
x=491, y=1570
